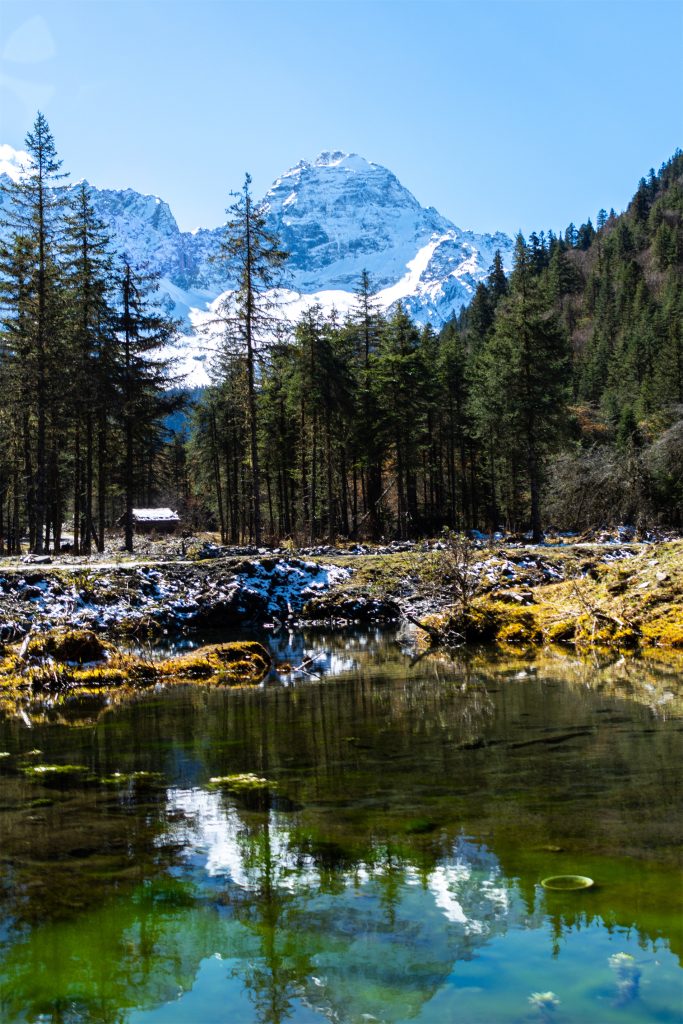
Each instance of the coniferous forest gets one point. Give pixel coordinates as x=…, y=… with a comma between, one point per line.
x=555, y=399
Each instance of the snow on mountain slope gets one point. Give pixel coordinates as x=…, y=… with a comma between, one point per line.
x=12, y=162
x=341, y=214
x=337, y=216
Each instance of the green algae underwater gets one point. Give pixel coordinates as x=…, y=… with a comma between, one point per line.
x=365, y=841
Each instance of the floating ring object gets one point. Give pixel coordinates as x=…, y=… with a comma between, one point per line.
x=567, y=883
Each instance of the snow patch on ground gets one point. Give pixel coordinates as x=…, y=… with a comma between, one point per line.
x=174, y=596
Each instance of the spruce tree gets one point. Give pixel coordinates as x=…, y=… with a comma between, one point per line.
x=400, y=381
x=253, y=257
x=364, y=328
x=142, y=373
x=33, y=219
x=524, y=376
x=90, y=323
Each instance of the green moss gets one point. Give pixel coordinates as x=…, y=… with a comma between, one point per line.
x=241, y=782
x=235, y=663
x=420, y=827
x=517, y=633
x=42, y=771
x=139, y=779
x=33, y=679
x=561, y=631
x=75, y=646
x=665, y=630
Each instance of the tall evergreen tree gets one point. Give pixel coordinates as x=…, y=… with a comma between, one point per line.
x=525, y=374
x=142, y=373
x=90, y=323
x=364, y=328
x=399, y=377
x=253, y=256
x=34, y=216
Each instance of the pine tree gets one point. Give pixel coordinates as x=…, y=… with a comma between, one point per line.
x=142, y=373
x=17, y=375
x=524, y=376
x=321, y=392
x=35, y=210
x=246, y=315
x=364, y=329
x=497, y=280
x=399, y=380
x=455, y=375
x=90, y=322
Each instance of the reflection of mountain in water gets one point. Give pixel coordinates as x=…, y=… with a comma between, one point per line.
x=352, y=889
x=399, y=924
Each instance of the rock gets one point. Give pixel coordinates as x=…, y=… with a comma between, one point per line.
x=514, y=596
x=351, y=607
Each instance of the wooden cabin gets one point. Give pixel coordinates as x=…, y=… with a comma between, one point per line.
x=153, y=520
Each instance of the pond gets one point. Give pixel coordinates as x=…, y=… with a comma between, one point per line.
x=364, y=841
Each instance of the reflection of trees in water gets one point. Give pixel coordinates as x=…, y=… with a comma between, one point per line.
x=274, y=976
x=350, y=929
x=383, y=770
x=98, y=966
x=69, y=847
x=653, y=681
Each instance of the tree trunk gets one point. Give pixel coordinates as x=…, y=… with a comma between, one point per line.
x=77, y=488
x=217, y=476
x=535, y=488
x=101, y=478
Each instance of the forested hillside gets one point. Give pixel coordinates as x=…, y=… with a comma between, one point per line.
x=555, y=399
x=616, y=452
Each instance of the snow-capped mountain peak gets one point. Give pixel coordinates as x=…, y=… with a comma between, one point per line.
x=337, y=215
x=13, y=162
x=349, y=161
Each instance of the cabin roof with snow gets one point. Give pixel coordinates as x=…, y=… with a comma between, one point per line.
x=155, y=515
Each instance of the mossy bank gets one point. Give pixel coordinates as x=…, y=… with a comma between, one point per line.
x=69, y=671
x=631, y=603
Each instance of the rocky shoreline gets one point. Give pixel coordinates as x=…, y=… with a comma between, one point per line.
x=275, y=590
x=157, y=597
x=579, y=598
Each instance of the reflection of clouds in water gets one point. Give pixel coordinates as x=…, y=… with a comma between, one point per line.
x=325, y=662
x=545, y=1002
x=213, y=835
x=628, y=977
x=295, y=650
x=468, y=890
x=31, y=43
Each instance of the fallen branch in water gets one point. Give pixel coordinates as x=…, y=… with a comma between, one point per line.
x=307, y=662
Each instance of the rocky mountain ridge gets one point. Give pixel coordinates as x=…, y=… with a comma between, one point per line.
x=337, y=216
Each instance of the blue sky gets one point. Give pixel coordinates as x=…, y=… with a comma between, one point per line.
x=501, y=115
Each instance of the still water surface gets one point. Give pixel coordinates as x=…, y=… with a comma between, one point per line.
x=388, y=870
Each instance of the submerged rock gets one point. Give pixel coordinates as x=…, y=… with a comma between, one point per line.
x=234, y=663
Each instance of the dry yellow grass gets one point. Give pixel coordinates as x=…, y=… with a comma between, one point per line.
x=637, y=602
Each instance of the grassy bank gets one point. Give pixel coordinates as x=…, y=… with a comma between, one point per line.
x=595, y=600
